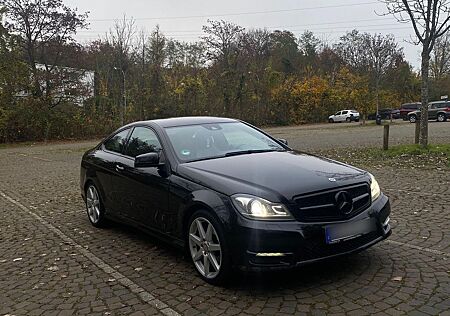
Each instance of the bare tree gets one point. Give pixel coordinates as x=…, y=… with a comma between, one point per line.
x=223, y=44
x=372, y=54
x=121, y=38
x=440, y=58
x=223, y=41
x=430, y=20
x=382, y=53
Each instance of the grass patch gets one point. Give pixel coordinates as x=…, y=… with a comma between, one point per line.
x=414, y=150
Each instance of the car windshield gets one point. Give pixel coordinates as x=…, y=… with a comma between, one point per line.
x=206, y=141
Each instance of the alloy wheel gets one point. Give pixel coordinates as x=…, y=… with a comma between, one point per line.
x=204, y=247
x=93, y=204
x=412, y=119
x=441, y=118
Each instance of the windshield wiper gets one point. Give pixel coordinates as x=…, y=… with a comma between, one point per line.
x=251, y=151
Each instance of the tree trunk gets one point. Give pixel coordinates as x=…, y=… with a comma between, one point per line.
x=423, y=133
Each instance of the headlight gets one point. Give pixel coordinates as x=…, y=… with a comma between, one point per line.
x=374, y=188
x=258, y=208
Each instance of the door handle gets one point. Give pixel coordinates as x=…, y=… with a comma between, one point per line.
x=119, y=168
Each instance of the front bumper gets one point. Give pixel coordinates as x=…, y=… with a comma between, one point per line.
x=259, y=245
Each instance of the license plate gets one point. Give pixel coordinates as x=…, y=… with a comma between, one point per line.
x=346, y=231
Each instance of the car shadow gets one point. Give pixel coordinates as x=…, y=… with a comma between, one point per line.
x=344, y=268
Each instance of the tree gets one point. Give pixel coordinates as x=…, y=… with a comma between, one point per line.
x=440, y=58
x=120, y=38
x=372, y=55
x=353, y=52
x=43, y=25
x=430, y=20
x=309, y=44
x=256, y=51
x=284, y=51
x=223, y=45
x=382, y=53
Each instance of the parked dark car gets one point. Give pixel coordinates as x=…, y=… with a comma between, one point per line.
x=385, y=114
x=407, y=108
x=395, y=114
x=231, y=195
x=438, y=110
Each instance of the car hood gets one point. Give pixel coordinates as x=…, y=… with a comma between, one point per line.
x=275, y=176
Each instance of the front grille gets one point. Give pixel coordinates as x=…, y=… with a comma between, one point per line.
x=321, y=206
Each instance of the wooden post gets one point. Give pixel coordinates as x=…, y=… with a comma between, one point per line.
x=386, y=137
x=417, y=132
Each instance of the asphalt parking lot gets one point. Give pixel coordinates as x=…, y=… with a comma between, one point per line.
x=53, y=262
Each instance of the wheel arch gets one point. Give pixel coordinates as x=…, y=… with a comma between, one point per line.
x=209, y=201
x=92, y=180
x=443, y=113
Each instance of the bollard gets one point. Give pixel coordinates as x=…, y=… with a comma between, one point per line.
x=416, y=139
x=386, y=137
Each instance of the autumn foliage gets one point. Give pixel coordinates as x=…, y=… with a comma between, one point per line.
x=265, y=78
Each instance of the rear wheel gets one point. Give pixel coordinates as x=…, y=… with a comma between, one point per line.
x=330, y=120
x=94, y=206
x=412, y=118
x=348, y=119
x=208, y=248
x=441, y=117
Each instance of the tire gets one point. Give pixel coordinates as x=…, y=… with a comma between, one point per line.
x=208, y=248
x=441, y=117
x=412, y=118
x=330, y=120
x=357, y=120
x=94, y=206
x=348, y=120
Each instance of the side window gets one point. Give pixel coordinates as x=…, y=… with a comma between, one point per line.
x=344, y=112
x=117, y=142
x=142, y=141
x=338, y=113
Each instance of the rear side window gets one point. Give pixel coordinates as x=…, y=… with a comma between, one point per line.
x=441, y=105
x=142, y=141
x=117, y=142
x=344, y=112
x=410, y=106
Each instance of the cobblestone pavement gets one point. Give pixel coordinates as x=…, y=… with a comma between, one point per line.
x=52, y=261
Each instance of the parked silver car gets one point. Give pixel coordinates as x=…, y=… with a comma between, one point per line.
x=344, y=116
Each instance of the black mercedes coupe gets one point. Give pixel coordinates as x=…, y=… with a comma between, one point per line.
x=231, y=195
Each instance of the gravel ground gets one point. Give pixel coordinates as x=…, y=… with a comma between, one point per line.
x=353, y=135
x=52, y=261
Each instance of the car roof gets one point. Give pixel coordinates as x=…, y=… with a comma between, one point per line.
x=184, y=121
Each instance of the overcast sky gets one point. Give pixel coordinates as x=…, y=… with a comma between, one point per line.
x=183, y=20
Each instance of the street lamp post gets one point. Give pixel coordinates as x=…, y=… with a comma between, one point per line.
x=124, y=110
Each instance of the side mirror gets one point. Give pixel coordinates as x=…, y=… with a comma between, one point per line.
x=147, y=160
x=284, y=141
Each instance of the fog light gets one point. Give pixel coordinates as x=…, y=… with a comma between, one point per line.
x=270, y=254
x=386, y=221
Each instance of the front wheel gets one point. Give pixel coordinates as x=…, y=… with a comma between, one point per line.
x=348, y=120
x=208, y=248
x=412, y=118
x=441, y=118
x=330, y=120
